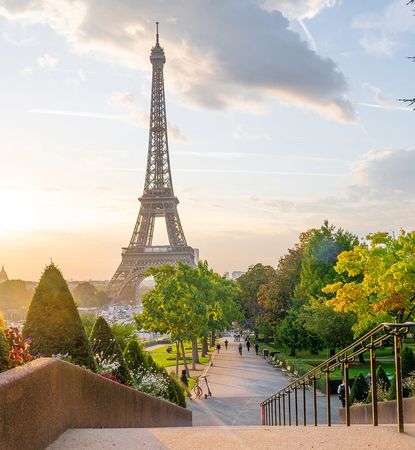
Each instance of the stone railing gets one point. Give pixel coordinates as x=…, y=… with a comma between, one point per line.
x=40, y=400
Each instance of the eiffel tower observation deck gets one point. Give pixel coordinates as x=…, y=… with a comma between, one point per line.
x=158, y=200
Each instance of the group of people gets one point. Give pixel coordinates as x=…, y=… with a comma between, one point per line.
x=240, y=347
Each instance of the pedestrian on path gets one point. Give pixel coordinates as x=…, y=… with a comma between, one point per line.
x=256, y=348
x=240, y=348
x=226, y=344
x=341, y=390
x=185, y=383
x=248, y=344
x=218, y=347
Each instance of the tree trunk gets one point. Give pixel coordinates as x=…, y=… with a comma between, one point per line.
x=195, y=354
x=205, y=346
x=332, y=352
x=212, y=338
x=184, y=359
x=177, y=358
x=292, y=351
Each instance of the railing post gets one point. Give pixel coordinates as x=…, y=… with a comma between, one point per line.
x=296, y=405
x=373, y=383
x=328, y=398
x=275, y=411
x=304, y=406
x=283, y=408
x=262, y=415
x=346, y=391
x=272, y=411
x=289, y=407
x=279, y=410
x=315, y=400
x=397, y=340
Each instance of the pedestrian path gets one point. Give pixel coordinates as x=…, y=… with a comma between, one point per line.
x=239, y=384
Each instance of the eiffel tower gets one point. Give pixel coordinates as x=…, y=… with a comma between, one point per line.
x=158, y=200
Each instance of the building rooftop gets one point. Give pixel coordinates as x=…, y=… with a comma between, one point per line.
x=3, y=275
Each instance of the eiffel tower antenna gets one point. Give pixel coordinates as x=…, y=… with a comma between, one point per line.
x=158, y=200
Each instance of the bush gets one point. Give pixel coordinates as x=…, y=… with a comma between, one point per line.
x=108, y=354
x=123, y=332
x=408, y=361
x=176, y=394
x=360, y=390
x=4, y=352
x=53, y=323
x=382, y=378
x=135, y=357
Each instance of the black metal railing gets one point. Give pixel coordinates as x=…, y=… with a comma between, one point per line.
x=273, y=409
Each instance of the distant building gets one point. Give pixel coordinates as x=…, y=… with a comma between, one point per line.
x=3, y=275
x=237, y=274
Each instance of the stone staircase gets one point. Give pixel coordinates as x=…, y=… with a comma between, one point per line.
x=239, y=438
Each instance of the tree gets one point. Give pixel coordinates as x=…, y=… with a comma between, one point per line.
x=135, y=356
x=4, y=348
x=14, y=294
x=319, y=260
x=383, y=280
x=382, y=378
x=276, y=295
x=53, y=322
x=334, y=329
x=408, y=366
x=360, y=390
x=107, y=351
x=123, y=332
x=249, y=284
x=87, y=295
x=176, y=394
x=291, y=332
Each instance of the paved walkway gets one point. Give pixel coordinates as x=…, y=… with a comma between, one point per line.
x=239, y=384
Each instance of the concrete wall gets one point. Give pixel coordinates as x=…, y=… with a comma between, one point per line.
x=386, y=412
x=40, y=400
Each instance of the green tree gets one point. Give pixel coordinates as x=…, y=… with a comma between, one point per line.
x=360, y=390
x=382, y=378
x=53, y=322
x=88, y=321
x=4, y=348
x=334, y=329
x=14, y=294
x=291, y=333
x=319, y=260
x=135, y=356
x=249, y=285
x=381, y=281
x=87, y=295
x=107, y=351
x=123, y=332
x=176, y=394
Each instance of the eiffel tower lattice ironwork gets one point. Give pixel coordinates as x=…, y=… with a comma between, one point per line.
x=158, y=199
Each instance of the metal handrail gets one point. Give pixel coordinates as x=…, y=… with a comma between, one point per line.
x=271, y=407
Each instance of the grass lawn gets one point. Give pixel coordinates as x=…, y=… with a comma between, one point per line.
x=305, y=361
x=165, y=359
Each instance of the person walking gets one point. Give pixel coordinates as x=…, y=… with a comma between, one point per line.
x=218, y=347
x=226, y=344
x=240, y=348
x=256, y=348
x=185, y=383
x=341, y=390
x=248, y=344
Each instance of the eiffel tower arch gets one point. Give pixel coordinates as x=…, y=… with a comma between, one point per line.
x=158, y=200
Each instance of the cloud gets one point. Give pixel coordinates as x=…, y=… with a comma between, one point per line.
x=298, y=9
x=381, y=26
x=386, y=174
x=378, y=96
x=26, y=71
x=251, y=55
x=47, y=61
x=240, y=132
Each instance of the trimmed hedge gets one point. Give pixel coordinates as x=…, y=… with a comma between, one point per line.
x=53, y=321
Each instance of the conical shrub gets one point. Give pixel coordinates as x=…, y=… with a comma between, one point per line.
x=4, y=352
x=360, y=390
x=176, y=394
x=408, y=361
x=382, y=378
x=107, y=352
x=53, y=323
x=134, y=357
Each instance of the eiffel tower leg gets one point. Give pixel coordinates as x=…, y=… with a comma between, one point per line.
x=174, y=229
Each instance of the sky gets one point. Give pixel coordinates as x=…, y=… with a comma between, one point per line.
x=282, y=114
